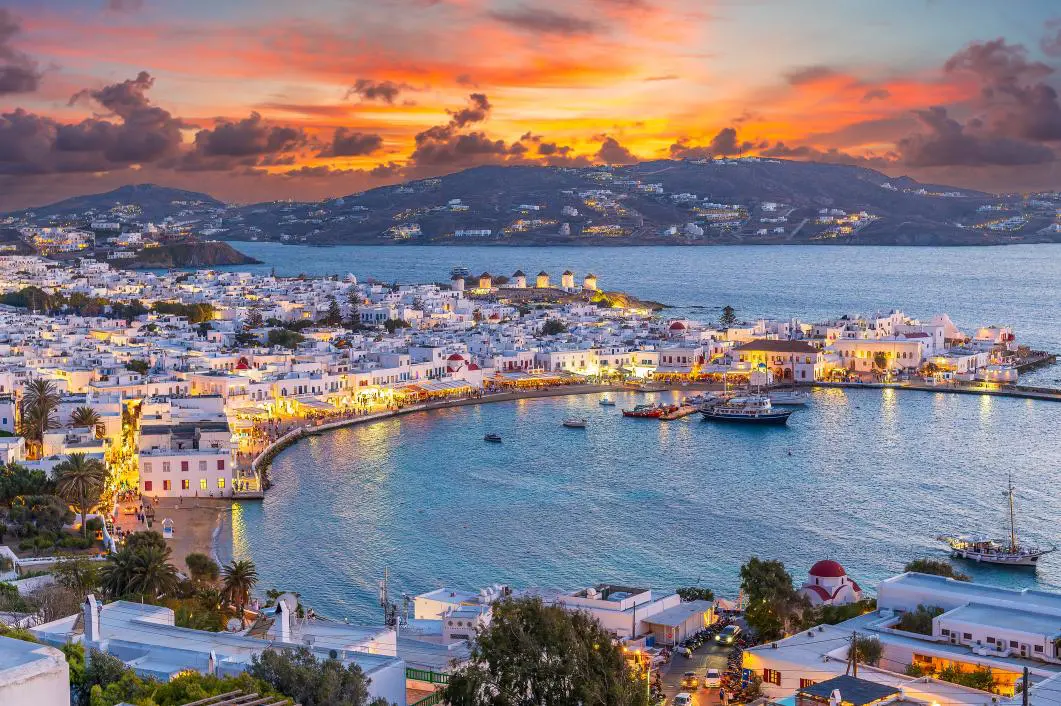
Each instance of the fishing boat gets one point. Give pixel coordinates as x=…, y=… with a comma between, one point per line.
x=645, y=411
x=788, y=398
x=751, y=409
x=1005, y=552
x=575, y=423
x=606, y=401
x=495, y=438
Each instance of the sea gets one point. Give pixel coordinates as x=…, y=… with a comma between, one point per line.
x=869, y=478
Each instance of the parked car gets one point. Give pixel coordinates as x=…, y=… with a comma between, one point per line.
x=690, y=680
x=728, y=634
x=712, y=679
x=682, y=699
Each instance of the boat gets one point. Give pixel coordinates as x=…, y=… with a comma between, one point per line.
x=1005, y=552
x=788, y=398
x=606, y=401
x=751, y=409
x=496, y=438
x=645, y=411
x=575, y=423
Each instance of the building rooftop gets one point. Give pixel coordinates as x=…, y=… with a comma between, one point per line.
x=673, y=617
x=1007, y=618
x=853, y=690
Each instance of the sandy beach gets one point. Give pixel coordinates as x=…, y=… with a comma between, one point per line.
x=195, y=521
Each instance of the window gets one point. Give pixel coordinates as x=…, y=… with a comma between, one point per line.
x=165, y=466
x=220, y=464
x=1013, y=644
x=804, y=683
x=221, y=482
x=990, y=639
x=147, y=486
x=967, y=635
x=202, y=466
x=1038, y=648
x=945, y=632
x=184, y=466
x=147, y=466
x=186, y=484
x=202, y=484
x=772, y=676
x=166, y=484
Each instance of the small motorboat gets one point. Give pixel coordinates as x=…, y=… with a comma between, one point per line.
x=645, y=411
x=606, y=401
x=788, y=398
x=575, y=423
x=495, y=438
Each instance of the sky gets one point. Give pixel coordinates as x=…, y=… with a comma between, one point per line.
x=255, y=100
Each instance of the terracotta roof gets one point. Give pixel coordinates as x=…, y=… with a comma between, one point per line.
x=763, y=344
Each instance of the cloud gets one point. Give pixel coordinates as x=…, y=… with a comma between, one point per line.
x=466, y=80
x=385, y=91
x=1051, y=42
x=875, y=94
x=665, y=77
x=248, y=142
x=724, y=143
x=349, y=143
x=478, y=110
x=124, y=5
x=458, y=149
x=1018, y=102
x=946, y=142
x=612, y=152
x=18, y=72
x=808, y=153
x=540, y=20
x=809, y=74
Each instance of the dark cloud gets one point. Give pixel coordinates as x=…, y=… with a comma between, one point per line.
x=349, y=143
x=18, y=72
x=808, y=74
x=390, y=170
x=475, y=113
x=612, y=152
x=806, y=153
x=466, y=80
x=540, y=20
x=369, y=90
x=1018, y=103
x=124, y=5
x=250, y=142
x=944, y=141
x=438, y=149
x=1051, y=42
x=876, y=94
x=665, y=77
x=723, y=144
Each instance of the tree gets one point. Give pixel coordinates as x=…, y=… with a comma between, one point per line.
x=880, y=360
x=919, y=620
x=774, y=604
x=80, y=481
x=87, y=417
x=79, y=575
x=202, y=568
x=141, y=569
x=334, y=315
x=284, y=338
x=695, y=593
x=238, y=579
x=936, y=567
x=298, y=674
x=353, y=310
x=728, y=317
x=40, y=399
x=765, y=580
x=16, y=480
x=868, y=650
x=138, y=366
x=254, y=319
x=552, y=327
x=534, y=654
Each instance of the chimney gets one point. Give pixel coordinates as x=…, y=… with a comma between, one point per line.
x=835, y=699
x=90, y=610
x=211, y=666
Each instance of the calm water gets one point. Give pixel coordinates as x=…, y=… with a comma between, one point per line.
x=865, y=477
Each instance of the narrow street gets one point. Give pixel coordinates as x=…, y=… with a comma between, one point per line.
x=709, y=656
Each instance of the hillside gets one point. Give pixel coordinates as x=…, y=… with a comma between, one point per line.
x=178, y=255
x=147, y=201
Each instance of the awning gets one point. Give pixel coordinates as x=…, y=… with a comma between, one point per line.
x=313, y=403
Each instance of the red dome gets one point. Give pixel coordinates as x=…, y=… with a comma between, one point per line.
x=473, y=366
x=243, y=364
x=827, y=569
x=456, y=356
x=677, y=326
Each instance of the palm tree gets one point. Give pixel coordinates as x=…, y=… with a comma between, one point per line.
x=151, y=573
x=238, y=579
x=40, y=399
x=80, y=481
x=86, y=417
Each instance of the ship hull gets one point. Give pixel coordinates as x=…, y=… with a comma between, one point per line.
x=770, y=419
x=1025, y=560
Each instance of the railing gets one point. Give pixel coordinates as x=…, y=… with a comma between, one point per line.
x=426, y=675
x=38, y=560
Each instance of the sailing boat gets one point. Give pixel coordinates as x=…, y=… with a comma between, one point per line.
x=997, y=551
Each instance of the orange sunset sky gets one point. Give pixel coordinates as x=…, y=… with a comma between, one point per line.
x=255, y=100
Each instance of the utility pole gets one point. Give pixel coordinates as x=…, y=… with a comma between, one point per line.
x=1024, y=690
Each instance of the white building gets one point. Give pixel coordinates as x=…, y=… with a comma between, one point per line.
x=828, y=584
x=32, y=674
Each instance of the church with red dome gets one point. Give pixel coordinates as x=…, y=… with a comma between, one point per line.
x=828, y=584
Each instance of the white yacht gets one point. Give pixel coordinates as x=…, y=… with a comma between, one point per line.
x=788, y=398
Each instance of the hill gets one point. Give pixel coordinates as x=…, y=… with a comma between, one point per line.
x=147, y=201
x=210, y=253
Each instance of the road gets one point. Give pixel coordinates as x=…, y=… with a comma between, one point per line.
x=710, y=656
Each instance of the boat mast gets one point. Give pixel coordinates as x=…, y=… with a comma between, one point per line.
x=1012, y=520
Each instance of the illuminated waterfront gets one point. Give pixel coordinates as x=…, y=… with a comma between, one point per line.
x=865, y=477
